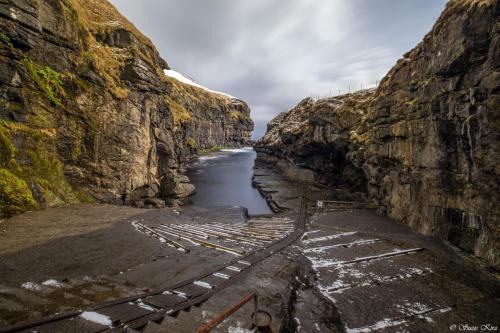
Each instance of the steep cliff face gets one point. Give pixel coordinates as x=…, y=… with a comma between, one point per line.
x=433, y=156
x=88, y=113
x=427, y=138
x=313, y=141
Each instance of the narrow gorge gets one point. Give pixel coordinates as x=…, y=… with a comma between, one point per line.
x=422, y=146
x=134, y=198
x=88, y=114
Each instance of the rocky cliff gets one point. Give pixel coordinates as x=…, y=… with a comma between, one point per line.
x=87, y=113
x=424, y=145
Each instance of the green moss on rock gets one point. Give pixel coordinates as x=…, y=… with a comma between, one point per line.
x=47, y=172
x=15, y=195
x=6, y=40
x=7, y=150
x=47, y=80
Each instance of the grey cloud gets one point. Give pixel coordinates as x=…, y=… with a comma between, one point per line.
x=273, y=53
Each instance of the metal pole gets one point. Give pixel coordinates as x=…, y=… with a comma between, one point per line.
x=229, y=311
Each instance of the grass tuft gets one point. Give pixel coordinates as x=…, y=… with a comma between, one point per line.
x=47, y=80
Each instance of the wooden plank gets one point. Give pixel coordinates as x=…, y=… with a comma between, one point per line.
x=203, y=243
x=171, y=242
x=164, y=301
x=124, y=312
x=192, y=290
x=75, y=324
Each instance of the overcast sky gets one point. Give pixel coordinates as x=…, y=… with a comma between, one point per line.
x=274, y=53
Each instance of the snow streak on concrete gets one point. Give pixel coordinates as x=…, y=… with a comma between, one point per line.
x=329, y=237
x=31, y=286
x=203, y=284
x=52, y=283
x=96, y=318
x=322, y=249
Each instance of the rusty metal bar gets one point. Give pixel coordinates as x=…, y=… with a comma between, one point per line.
x=249, y=228
x=203, y=243
x=226, y=234
x=239, y=232
x=229, y=311
x=190, y=230
x=180, y=232
x=169, y=241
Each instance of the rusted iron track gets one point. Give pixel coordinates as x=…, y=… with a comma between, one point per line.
x=235, y=269
x=213, y=323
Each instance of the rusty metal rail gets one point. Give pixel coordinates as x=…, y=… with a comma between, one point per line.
x=194, y=293
x=229, y=311
x=325, y=205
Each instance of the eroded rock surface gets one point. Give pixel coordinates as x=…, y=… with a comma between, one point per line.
x=424, y=145
x=86, y=111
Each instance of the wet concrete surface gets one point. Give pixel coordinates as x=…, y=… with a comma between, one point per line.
x=364, y=265
x=376, y=275
x=68, y=273
x=354, y=271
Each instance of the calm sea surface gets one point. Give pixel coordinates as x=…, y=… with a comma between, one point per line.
x=225, y=179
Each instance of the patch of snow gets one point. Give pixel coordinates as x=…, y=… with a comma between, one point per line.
x=97, y=318
x=232, y=268
x=31, y=286
x=328, y=263
x=326, y=293
x=386, y=323
x=203, y=284
x=329, y=237
x=222, y=275
x=297, y=320
x=308, y=233
x=179, y=77
x=413, y=308
x=324, y=248
x=52, y=283
x=180, y=293
x=238, y=329
x=382, y=324
x=141, y=304
x=205, y=314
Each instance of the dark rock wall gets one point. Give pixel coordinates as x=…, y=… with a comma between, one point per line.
x=426, y=139
x=86, y=112
x=432, y=158
x=315, y=139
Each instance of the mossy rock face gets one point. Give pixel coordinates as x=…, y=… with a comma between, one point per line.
x=89, y=114
x=7, y=150
x=15, y=195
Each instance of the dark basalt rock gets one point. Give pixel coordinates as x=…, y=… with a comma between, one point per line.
x=424, y=146
x=107, y=124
